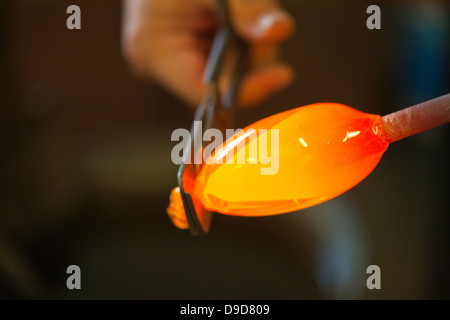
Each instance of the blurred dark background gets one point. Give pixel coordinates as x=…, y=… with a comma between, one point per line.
x=86, y=172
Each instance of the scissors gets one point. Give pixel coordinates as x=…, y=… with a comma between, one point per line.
x=214, y=111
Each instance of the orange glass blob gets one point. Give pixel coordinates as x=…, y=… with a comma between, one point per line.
x=323, y=150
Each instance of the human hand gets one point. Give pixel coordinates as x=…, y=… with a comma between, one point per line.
x=169, y=40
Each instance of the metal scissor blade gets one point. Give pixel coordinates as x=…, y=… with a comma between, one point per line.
x=199, y=219
x=212, y=111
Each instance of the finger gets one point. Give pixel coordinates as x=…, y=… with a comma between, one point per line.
x=184, y=79
x=168, y=41
x=262, y=54
x=261, y=83
x=181, y=71
x=261, y=20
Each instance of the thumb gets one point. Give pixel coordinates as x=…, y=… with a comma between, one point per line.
x=261, y=20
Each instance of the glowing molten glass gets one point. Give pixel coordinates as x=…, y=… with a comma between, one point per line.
x=324, y=150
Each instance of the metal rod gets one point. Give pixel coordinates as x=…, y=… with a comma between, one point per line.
x=421, y=117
